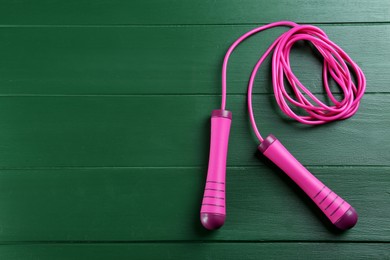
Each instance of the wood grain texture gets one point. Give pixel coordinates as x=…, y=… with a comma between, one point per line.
x=174, y=131
x=104, y=131
x=162, y=204
x=230, y=251
x=190, y=11
x=168, y=60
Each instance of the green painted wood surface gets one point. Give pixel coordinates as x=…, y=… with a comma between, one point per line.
x=173, y=130
x=230, y=251
x=160, y=204
x=104, y=131
x=190, y=11
x=167, y=60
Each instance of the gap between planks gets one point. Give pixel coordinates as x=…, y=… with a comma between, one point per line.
x=92, y=242
x=183, y=25
x=175, y=167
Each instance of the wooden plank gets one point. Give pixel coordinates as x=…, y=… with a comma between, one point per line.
x=197, y=251
x=174, y=131
x=167, y=60
x=156, y=204
x=190, y=12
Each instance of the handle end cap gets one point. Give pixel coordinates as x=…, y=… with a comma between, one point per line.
x=266, y=143
x=222, y=113
x=348, y=220
x=212, y=221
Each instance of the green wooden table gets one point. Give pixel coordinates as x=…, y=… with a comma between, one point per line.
x=104, y=131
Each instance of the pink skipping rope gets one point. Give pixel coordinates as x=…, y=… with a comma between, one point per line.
x=336, y=62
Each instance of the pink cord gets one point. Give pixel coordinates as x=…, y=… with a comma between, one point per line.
x=336, y=63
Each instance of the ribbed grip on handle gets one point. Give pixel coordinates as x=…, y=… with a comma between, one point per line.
x=213, y=210
x=339, y=212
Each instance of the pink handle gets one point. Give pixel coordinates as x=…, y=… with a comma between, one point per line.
x=339, y=212
x=213, y=211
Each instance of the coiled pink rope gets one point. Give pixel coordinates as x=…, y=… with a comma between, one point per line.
x=336, y=63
